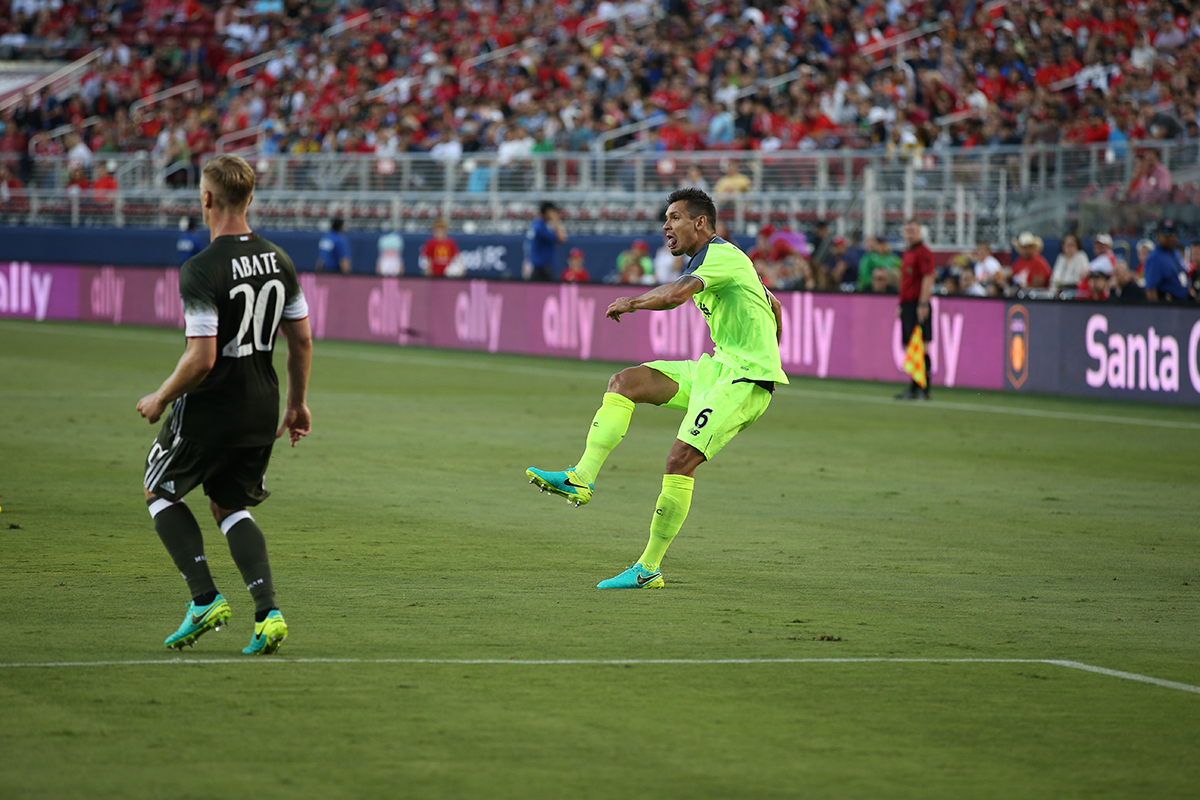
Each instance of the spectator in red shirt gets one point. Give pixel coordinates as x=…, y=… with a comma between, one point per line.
x=762, y=243
x=105, y=184
x=1097, y=129
x=1151, y=183
x=1030, y=269
x=575, y=273
x=916, y=286
x=1095, y=285
x=991, y=83
x=77, y=180
x=440, y=255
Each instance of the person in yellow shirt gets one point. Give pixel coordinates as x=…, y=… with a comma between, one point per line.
x=733, y=181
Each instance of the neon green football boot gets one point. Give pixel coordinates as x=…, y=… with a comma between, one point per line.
x=268, y=635
x=198, y=621
x=564, y=484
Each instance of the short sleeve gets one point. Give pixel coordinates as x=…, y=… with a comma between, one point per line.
x=199, y=297
x=295, y=307
x=926, y=265
x=710, y=267
x=1151, y=276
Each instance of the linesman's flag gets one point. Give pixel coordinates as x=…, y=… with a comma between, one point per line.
x=914, y=358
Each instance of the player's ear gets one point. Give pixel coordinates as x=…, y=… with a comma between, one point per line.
x=249, y=199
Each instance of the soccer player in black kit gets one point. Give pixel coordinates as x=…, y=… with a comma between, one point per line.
x=238, y=293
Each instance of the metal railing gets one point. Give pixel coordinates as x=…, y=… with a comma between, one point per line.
x=469, y=64
x=262, y=58
x=630, y=15
x=59, y=132
x=961, y=195
x=158, y=97
x=244, y=135
x=900, y=39
x=68, y=75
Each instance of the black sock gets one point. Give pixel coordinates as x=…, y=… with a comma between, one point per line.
x=180, y=534
x=248, y=547
x=205, y=598
x=259, y=616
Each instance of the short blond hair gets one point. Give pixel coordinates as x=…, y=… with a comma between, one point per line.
x=231, y=181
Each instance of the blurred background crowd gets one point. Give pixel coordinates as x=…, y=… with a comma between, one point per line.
x=450, y=78
x=407, y=76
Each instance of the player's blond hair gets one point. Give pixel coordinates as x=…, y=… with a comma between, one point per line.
x=231, y=181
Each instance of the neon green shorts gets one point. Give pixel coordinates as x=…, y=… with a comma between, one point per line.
x=718, y=402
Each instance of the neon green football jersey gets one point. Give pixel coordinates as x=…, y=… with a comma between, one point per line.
x=735, y=306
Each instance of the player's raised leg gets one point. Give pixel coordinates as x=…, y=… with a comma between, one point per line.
x=639, y=384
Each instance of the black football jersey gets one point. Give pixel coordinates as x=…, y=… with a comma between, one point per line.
x=237, y=289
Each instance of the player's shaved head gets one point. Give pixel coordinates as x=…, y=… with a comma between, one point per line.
x=231, y=181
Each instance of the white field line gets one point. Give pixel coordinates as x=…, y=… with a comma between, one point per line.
x=1111, y=673
x=991, y=409
x=565, y=368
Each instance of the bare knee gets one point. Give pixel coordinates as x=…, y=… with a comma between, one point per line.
x=684, y=459
x=624, y=383
x=219, y=513
x=641, y=384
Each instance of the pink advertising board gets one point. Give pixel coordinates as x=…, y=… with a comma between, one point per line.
x=825, y=335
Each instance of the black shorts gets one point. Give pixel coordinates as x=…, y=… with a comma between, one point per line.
x=908, y=321
x=233, y=477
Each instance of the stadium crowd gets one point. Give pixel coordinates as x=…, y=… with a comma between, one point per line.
x=389, y=77
x=400, y=76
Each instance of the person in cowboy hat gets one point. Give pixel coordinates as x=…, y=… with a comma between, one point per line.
x=1030, y=269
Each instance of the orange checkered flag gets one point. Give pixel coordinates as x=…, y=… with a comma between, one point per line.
x=914, y=358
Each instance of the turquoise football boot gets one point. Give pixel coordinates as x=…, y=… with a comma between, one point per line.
x=636, y=577
x=198, y=621
x=564, y=484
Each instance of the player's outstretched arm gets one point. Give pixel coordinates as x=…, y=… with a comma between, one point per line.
x=194, y=365
x=660, y=298
x=297, y=420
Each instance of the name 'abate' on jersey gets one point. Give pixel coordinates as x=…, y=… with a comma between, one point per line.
x=258, y=264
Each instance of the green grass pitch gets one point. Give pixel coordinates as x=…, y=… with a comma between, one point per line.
x=864, y=603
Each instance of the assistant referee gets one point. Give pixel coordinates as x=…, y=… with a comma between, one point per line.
x=916, y=285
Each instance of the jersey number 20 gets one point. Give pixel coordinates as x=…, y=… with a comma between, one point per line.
x=254, y=315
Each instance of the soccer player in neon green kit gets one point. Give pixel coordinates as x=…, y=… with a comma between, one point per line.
x=721, y=394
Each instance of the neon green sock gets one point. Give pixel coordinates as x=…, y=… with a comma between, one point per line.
x=669, y=514
x=607, y=431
